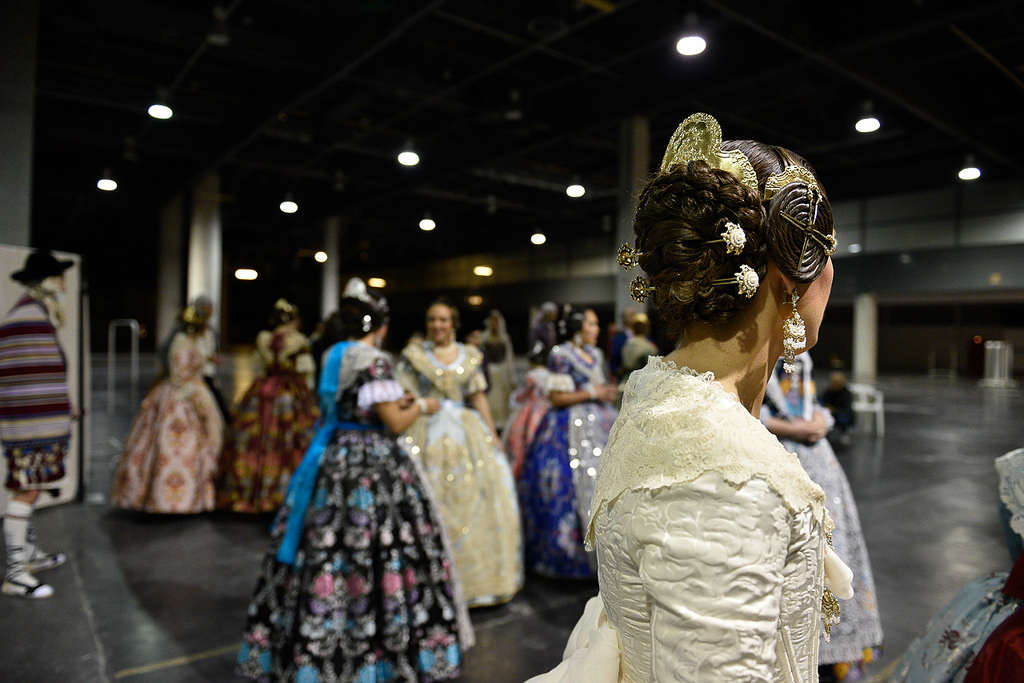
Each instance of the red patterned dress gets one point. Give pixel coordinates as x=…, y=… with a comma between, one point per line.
x=272, y=425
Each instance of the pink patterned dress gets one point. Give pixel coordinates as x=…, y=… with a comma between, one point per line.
x=170, y=457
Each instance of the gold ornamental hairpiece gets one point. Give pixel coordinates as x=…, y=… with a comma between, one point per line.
x=628, y=257
x=794, y=173
x=700, y=137
x=640, y=288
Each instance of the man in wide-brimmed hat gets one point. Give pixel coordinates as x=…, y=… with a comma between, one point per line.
x=35, y=415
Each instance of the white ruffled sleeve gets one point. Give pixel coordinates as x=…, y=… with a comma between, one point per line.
x=711, y=561
x=558, y=382
x=379, y=391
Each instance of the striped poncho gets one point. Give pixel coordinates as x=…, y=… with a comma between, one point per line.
x=35, y=411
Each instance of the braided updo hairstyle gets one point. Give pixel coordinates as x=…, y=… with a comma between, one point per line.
x=682, y=213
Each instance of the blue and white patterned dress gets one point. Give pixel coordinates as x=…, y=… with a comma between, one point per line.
x=860, y=626
x=557, y=479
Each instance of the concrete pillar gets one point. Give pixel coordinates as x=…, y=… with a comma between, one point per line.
x=169, y=279
x=634, y=168
x=19, y=27
x=330, y=291
x=865, y=338
x=205, y=249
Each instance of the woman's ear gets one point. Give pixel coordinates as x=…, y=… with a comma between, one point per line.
x=777, y=280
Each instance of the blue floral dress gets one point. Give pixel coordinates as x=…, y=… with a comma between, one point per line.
x=358, y=585
x=557, y=479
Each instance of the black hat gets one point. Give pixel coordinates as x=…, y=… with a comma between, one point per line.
x=40, y=265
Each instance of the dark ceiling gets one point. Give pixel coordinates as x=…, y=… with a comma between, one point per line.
x=504, y=101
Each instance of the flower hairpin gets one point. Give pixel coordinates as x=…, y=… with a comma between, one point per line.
x=627, y=257
x=640, y=289
x=734, y=237
x=746, y=280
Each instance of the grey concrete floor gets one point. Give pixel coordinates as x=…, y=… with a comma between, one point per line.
x=152, y=599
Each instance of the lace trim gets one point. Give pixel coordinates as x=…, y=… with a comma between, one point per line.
x=357, y=358
x=448, y=380
x=1010, y=468
x=676, y=425
x=594, y=371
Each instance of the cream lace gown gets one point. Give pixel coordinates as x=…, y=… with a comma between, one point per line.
x=469, y=474
x=711, y=545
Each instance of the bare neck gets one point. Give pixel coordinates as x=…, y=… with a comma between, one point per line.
x=741, y=353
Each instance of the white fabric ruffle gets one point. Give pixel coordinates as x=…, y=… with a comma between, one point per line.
x=559, y=382
x=379, y=391
x=592, y=653
x=1010, y=468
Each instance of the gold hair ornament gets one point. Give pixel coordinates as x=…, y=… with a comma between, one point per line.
x=700, y=137
x=640, y=288
x=794, y=173
x=628, y=257
x=746, y=280
x=284, y=306
x=734, y=237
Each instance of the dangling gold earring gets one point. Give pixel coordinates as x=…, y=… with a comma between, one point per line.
x=794, y=336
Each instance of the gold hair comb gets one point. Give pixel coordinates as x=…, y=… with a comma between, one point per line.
x=700, y=137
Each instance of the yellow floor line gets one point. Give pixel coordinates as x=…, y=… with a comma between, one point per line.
x=177, y=661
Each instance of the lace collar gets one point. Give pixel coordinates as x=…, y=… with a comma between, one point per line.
x=676, y=424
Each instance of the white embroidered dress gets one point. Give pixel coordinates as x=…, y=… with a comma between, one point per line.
x=711, y=545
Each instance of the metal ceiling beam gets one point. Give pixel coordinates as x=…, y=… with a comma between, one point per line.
x=759, y=25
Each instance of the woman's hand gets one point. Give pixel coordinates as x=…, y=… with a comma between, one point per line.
x=808, y=431
x=607, y=392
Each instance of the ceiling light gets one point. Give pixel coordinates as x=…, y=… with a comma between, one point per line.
x=407, y=157
x=538, y=238
x=427, y=223
x=970, y=171
x=474, y=299
x=320, y=257
x=575, y=189
x=106, y=181
x=691, y=45
x=377, y=282
x=245, y=274
x=160, y=111
x=288, y=205
x=483, y=271
x=867, y=123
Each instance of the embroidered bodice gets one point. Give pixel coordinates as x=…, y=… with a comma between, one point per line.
x=366, y=377
x=571, y=371
x=279, y=349
x=423, y=374
x=710, y=538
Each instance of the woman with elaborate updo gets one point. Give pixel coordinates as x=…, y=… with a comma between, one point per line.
x=712, y=542
x=358, y=584
x=273, y=422
x=169, y=463
x=557, y=478
x=457, y=444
